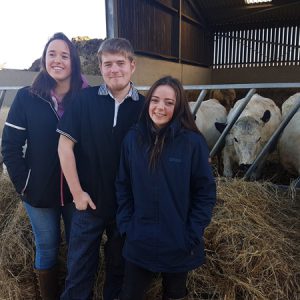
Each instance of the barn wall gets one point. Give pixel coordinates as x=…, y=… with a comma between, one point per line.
x=256, y=75
x=161, y=29
x=149, y=70
x=15, y=78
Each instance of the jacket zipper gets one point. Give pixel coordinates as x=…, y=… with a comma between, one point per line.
x=62, y=202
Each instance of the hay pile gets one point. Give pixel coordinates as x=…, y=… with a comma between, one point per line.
x=253, y=249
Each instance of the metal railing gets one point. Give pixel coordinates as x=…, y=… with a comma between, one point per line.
x=221, y=141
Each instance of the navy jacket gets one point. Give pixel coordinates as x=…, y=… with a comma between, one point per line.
x=37, y=175
x=164, y=212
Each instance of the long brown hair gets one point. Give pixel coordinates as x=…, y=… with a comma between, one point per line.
x=44, y=83
x=181, y=113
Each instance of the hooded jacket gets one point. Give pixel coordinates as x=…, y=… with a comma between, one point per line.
x=163, y=212
x=36, y=175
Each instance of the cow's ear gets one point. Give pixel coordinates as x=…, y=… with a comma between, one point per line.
x=220, y=126
x=266, y=117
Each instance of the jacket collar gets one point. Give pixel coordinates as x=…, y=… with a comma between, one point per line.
x=133, y=92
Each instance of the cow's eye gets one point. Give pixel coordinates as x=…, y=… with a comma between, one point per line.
x=258, y=139
x=236, y=140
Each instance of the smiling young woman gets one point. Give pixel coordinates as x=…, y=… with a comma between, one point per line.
x=165, y=193
x=37, y=176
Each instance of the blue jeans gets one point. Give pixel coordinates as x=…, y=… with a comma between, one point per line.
x=45, y=224
x=83, y=257
x=137, y=281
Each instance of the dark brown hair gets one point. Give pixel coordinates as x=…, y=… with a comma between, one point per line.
x=44, y=83
x=182, y=114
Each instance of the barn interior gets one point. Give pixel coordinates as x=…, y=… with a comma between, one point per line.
x=213, y=42
x=200, y=41
x=252, y=244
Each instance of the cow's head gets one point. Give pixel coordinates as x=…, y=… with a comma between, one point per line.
x=247, y=138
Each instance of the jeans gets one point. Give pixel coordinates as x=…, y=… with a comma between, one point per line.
x=137, y=281
x=45, y=224
x=83, y=257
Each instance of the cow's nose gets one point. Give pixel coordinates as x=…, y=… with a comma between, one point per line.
x=244, y=167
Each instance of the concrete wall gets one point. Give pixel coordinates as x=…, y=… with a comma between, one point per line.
x=256, y=75
x=18, y=78
x=11, y=78
x=149, y=70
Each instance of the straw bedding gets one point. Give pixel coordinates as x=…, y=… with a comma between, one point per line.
x=252, y=245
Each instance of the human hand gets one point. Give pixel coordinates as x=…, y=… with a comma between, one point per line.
x=82, y=200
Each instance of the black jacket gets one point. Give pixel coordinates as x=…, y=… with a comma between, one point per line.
x=89, y=123
x=36, y=175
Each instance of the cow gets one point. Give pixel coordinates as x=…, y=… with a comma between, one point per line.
x=226, y=97
x=289, y=142
x=210, y=111
x=250, y=133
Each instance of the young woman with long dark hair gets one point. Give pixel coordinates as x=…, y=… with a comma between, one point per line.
x=36, y=174
x=165, y=192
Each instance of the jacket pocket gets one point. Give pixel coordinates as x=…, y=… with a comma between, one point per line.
x=193, y=244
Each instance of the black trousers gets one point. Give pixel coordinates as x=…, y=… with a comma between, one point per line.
x=137, y=281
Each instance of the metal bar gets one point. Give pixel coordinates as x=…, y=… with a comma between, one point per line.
x=208, y=86
x=235, y=49
x=280, y=50
x=239, y=110
x=259, y=37
x=298, y=50
x=199, y=101
x=271, y=46
x=233, y=86
x=2, y=95
x=240, y=49
x=276, y=50
x=251, y=48
x=290, y=45
x=273, y=139
x=179, y=44
x=266, y=46
x=112, y=26
x=295, y=44
x=286, y=47
x=219, y=50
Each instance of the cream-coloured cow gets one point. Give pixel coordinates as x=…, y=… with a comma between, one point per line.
x=289, y=142
x=250, y=133
x=210, y=112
